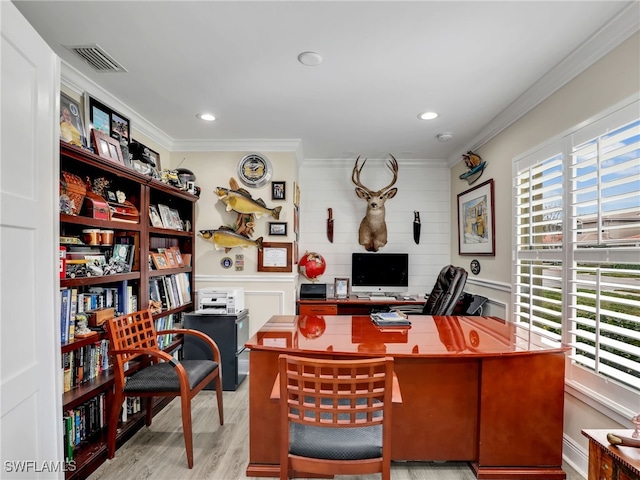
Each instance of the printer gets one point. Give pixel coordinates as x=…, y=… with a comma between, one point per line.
x=220, y=301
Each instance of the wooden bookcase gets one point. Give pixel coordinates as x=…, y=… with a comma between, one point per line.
x=142, y=191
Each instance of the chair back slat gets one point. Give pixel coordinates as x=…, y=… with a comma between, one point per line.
x=327, y=394
x=133, y=330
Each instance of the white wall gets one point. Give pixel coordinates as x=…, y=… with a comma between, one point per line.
x=423, y=185
x=609, y=81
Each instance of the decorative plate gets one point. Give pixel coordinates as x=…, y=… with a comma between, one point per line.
x=475, y=267
x=254, y=170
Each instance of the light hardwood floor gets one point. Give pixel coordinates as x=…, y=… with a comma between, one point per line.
x=222, y=453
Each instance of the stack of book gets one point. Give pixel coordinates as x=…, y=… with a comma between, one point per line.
x=390, y=319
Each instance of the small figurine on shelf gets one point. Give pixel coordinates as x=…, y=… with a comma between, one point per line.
x=155, y=306
x=82, y=330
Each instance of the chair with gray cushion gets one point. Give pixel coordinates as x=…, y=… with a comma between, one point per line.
x=335, y=416
x=142, y=369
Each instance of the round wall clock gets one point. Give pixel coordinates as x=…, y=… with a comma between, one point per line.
x=475, y=267
x=254, y=170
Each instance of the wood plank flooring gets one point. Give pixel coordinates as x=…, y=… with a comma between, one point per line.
x=222, y=452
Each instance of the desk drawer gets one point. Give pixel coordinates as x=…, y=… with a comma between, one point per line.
x=318, y=309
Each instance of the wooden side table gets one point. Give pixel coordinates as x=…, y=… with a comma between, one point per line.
x=610, y=462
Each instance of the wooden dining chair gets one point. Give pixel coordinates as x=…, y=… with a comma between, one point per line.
x=142, y=369
x=335, y=416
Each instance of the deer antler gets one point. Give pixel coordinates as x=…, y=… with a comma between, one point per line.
x=355, y=174
x=393, y=166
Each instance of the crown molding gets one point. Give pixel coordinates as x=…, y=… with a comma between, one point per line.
x=611, y=35
x=340, y=162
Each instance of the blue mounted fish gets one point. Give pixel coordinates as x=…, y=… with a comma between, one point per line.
x=475, y=164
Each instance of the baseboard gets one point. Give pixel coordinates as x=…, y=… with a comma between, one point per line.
x=576, y=456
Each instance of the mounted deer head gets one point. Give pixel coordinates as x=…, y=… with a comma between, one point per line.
x=373, y=229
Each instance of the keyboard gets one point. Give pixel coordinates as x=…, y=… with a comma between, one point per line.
x=378, y=298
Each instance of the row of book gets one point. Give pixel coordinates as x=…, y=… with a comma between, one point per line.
x=85, y=363
x=72, y=302
x=81, y=423
x=170, y=290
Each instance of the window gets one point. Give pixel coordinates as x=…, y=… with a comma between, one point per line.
x=577, y=251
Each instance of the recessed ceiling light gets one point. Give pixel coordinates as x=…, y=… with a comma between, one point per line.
x=444, y=137
x=428, y=115
x=207, y=117
x=310, y=59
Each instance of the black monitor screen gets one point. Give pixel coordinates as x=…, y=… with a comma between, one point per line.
x=380, y=272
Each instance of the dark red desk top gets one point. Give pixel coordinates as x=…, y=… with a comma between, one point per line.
x=426, y=337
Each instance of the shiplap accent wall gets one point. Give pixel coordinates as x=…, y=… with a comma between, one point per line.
x=423, y=185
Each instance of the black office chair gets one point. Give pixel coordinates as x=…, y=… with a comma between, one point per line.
x=444, y=295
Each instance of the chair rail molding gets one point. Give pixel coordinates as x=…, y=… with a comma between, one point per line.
x=491, y=284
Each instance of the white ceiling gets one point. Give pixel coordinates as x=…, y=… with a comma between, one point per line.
x=384, y=63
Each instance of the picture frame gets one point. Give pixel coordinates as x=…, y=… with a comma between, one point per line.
x=341, y=287
x=178, y=256
x=154, y=216
x=171, y=258
x=107, y=147
x=103, y=118
x=159, y=261
x=476, y=220
x=278, y=228
x=176, y=221
x=278, y=191
x=165, y=216
x=296, y=194
x=72, y=127
x=275, y=257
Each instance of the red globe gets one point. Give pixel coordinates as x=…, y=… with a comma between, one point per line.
x=312, y=265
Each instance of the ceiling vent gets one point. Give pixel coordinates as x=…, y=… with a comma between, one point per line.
x=96, y=57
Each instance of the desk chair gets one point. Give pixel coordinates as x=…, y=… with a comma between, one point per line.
x=335, y=416
x=151, y=372
x=444, y=295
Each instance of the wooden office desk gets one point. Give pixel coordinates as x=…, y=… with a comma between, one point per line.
x=474, y=389
x=351, y=305
x=610, y=462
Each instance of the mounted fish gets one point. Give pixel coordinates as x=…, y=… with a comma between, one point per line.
x=241, y=202
x=226, y=238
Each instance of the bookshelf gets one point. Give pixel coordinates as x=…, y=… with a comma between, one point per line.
x=124, y=286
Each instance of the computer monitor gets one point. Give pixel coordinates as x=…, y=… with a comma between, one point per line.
x=379, y=273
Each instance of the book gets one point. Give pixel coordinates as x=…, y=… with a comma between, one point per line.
x=393, y=318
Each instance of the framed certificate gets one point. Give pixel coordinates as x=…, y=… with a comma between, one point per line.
x=275, y=257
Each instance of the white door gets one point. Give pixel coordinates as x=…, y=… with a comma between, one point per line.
x=30, y=372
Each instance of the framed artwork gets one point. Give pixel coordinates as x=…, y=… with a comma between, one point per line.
x=341, y=287
x=296, y=194
x=476, y=220
x=275, y=257
x=71, y=122
x=107, y=147
x=278, y=228
x=106, y=120
x=278, y=191
x=154, y=216
x=176, y=221
x=178, y=256
x=159, y=260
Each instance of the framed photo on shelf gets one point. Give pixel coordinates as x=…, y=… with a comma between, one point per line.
x=106, y=120
x=154, y=216
x=107, y=147
x=278, y=228
x=278, y=191
x=71, y=122
x=275, y=257
x=176, y=221
x=159, y=260
x=171, y=259
x=341, y=287
x=476, y=221
x=165, y=216
x=178, y=256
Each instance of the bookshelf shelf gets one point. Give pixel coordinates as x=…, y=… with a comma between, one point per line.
x=124, y=291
